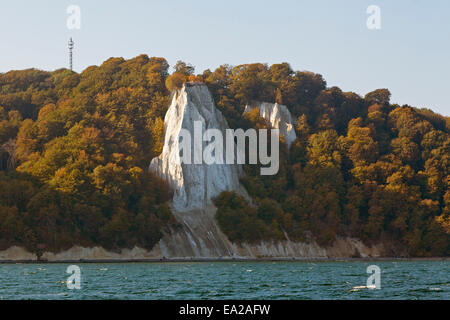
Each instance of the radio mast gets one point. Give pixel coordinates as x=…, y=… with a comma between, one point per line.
x=70, y=53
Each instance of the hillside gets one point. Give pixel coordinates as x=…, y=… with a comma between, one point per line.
x=75, y=149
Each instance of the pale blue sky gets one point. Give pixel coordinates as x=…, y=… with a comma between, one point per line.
x=410, y=55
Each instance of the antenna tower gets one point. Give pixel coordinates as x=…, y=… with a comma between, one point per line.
x=70, y=53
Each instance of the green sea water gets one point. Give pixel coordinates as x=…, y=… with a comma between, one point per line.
x=228, y=280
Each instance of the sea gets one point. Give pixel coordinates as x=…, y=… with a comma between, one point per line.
x=228, y=280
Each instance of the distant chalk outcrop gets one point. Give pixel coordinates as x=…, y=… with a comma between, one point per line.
x=278, y=116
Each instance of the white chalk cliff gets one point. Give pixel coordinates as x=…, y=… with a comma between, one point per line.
x=277, y=116
x=194, y=185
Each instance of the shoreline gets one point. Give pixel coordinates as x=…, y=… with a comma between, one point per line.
x=197, y=260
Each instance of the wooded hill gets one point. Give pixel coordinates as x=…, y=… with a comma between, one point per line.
x=74, y=152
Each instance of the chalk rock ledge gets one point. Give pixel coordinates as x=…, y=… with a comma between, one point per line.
x=277, y=116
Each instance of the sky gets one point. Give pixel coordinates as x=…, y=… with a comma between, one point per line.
x=409, y=54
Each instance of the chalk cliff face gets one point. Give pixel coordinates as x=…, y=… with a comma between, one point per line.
x=194, y=185
x=278, y=116
x=342, y=248
x=15, y=253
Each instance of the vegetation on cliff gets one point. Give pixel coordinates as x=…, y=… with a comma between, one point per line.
x=74, y=152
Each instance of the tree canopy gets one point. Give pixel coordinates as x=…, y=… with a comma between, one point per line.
x=74, y=152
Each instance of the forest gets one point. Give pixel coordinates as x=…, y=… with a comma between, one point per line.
x=75, y=148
